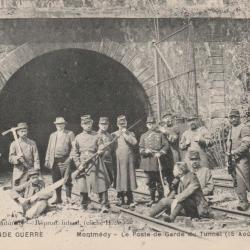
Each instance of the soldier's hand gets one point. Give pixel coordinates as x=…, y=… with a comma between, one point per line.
x=173, y=205
x=158, y=155
x=148, y=151
x=22, y=200
x=33, y=198
x=21, y=159
x=124, y=130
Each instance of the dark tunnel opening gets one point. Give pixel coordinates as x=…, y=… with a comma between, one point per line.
x=68, y=83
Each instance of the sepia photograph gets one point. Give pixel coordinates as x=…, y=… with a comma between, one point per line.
x=125, y=124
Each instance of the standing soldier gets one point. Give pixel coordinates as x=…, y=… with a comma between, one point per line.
x=153, y=145
x=106, y=139
x=58, y=157
x=29, y=158
x=197, y=138
x=125, y=179
x=172, y=133
x=239, y=138
x=86, y=144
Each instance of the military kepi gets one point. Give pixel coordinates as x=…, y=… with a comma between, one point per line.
x=121, y=119
x=22, y=125
x=234, y=112
x=104, y=120
x=33, y=172
x=151, y=119
x=194, y=155
x=86, y=119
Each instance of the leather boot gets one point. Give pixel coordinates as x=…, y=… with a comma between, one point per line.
x=243, y=206
x=121, y=200
x=160, y=194
x=130, y=200
x=84, y=200
x=158, y=208
x=152, y=195
x=58, y=199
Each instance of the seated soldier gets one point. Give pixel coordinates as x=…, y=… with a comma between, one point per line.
x=203, y=174
x=188, y=197
x=25, y=195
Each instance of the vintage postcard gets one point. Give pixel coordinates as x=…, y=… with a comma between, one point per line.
x=124, y=124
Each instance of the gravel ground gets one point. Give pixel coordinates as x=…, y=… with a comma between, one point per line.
x=68, y=219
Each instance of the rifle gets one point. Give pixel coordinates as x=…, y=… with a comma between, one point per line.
x=171, y=194
x=79, y=172
x=231, y=166
x=43, y=193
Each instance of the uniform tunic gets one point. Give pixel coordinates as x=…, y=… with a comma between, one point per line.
x=84, y=146
x=189, y=196
x=30, y=153
x=240, y=136
x=27, y=190
x=173, y=139
x=126, y=178
x=189, y=141
x=205, y=178
x=154, y=141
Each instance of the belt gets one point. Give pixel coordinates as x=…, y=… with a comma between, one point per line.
x=61, y=159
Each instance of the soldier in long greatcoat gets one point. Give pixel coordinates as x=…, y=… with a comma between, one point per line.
x=27, y=160
x=96, y=179
x=197, y=138
x=126, y=177
x=239, y=136
x=153, y=145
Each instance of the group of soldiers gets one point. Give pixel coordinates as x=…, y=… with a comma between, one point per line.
x=105, y=160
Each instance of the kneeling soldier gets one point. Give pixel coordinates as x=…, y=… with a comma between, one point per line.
x=152, y=146
x=25, y=195
x=204, y=174
x=86, y=144
x=189, y=197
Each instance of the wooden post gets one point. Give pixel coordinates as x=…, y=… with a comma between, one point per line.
x=195, y=82
x=157, y=85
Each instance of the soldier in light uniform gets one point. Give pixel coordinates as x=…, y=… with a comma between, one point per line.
x=240, y=135
x=197, y=138
x=106, y=139
x=58, y=157
x=96, y=179
x=30, y=158
x=203, y=174
x=153, y=145
x=123, y=147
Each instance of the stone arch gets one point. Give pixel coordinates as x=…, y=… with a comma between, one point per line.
x=129, y=58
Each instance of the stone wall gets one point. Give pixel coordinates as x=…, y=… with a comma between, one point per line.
x=124, y=8
x=129, y=41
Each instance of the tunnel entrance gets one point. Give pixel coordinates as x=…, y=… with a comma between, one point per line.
x=69, y=83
